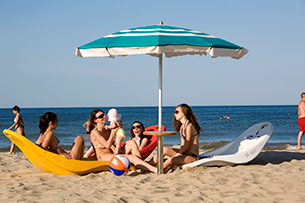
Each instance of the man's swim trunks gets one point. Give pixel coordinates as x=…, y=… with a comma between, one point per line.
x=301, y=122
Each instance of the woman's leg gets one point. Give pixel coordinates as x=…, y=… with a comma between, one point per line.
x=20, y=131
x=167, y=151
x=131, y=147
x=11, y=148
x=177, y=161
x=78, y=148
x=139, y=163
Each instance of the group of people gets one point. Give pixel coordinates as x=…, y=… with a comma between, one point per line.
x=106, y=140
x=105, y=144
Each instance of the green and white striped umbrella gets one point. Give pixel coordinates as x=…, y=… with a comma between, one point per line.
x=158, y=39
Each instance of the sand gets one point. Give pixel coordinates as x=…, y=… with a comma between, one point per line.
x=273, y=176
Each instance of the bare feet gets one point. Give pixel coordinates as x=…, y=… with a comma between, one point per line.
x=300, y=148
x=9, y=153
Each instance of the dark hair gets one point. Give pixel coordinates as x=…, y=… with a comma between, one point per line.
x=189, y=115
x=303, y=94
x=45, y=119
x=16, y=108
x=91, y=123
x=132, y=135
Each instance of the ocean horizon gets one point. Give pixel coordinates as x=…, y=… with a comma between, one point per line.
x=216, y=131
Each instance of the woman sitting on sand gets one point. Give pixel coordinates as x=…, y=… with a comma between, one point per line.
x=185, y=121
x=48, y=141
x=103, y=142
x=136, y=134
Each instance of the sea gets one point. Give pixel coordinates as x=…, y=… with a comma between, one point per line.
x=215, y=131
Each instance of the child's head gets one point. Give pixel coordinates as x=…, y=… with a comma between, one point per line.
x=16, y=109
x=113, y=115
x=45, y=119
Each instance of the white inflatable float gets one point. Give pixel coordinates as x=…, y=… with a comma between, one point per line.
x=239, y=151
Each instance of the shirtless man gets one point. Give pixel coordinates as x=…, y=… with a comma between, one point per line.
x=301, y=119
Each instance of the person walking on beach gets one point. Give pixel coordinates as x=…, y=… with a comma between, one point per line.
x=301, y=119
x=185, y=121
x=85, y=125
x=18, y=124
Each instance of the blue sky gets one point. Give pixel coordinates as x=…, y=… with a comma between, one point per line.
x=39, y=67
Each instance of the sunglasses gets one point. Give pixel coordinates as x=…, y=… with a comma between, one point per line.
x=100, y=116
x=136, y=126
x=176, y=112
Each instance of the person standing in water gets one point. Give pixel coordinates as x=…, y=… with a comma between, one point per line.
x=18, y=124
x=301, y=119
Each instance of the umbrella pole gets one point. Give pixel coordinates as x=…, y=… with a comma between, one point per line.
x=160, y=137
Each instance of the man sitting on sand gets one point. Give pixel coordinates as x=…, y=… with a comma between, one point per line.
x=301, y=119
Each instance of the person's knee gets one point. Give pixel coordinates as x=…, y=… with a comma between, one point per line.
x=166, y=150
x=80, y=139
x=131, y=143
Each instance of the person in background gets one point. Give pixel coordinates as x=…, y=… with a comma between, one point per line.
x=301, y=119
x=85, y=125
x=18, y=124
x=185, y=121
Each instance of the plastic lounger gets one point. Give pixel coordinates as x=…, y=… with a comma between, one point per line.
x=239, y=151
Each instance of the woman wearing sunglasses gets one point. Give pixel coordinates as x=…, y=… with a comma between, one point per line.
x=136, y=134
x=103, y=142
x=184, y=121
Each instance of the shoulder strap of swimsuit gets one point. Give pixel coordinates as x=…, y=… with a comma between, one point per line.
x=183, y=133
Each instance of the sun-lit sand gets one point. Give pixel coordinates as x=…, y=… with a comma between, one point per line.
x=273, y=176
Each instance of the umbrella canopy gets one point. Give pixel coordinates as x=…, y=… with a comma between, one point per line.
x=158, y=39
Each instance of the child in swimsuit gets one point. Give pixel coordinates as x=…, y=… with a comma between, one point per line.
x=18, y=124
x=113, y=116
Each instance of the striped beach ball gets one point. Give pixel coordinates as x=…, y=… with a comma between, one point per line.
x=119, y=164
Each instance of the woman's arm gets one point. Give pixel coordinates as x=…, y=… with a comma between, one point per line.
x=101, y=140
x=39, y=140
x=111, y=126
x=186, y=143
x=143, y=143
x=16, y=122
x=48, y=135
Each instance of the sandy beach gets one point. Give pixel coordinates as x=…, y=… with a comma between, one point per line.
x=273, y=176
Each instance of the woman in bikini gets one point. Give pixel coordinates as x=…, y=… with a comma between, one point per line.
x=48, y=141
x=185, y=121
x=18, y=124
x=136, y=134
x=103, y=142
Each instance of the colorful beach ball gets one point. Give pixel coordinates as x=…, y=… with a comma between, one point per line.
x=119, y=165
